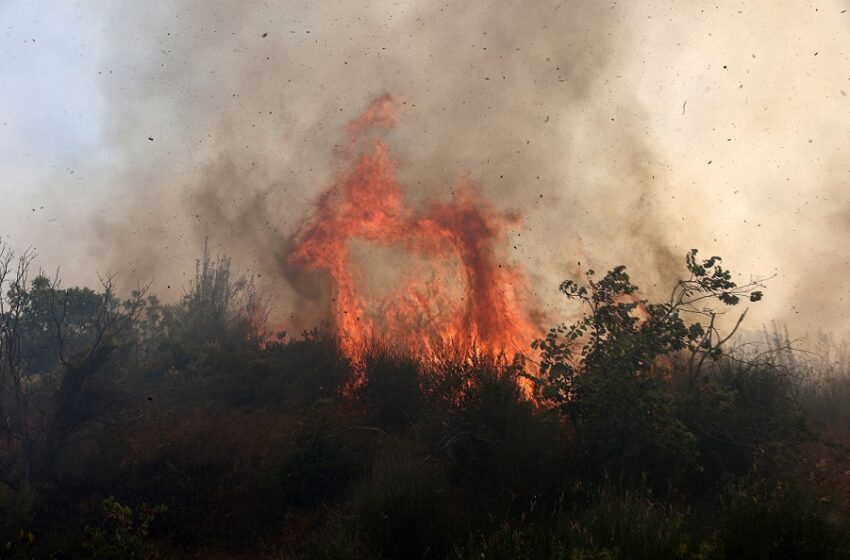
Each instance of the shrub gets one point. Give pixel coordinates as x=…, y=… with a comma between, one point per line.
x=504, y=449
x=511, y=541
x=391, y=388
x=610, y=371
x=325, y=461
x=742, y=411
x=307, y=368
x=610, y=526
x=629, y=527
x=778, y=523
x=17, y=522
x=123, y=534
x=401, y=511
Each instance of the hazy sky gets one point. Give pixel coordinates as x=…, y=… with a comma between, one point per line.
x=622, y=132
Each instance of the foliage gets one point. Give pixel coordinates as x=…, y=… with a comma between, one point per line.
x=391, y=386
x=778, y=522
x=56, y=347
x=16, y=524
x=612, y=526
x=401, y=511
x=626, y=335
x=610, y=372
x=278, y=447
x=492, y=436
x=219, y=305
x=629, y=526
x=123, y=534
x=324, y=463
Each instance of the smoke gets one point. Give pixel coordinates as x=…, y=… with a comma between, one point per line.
x=620, y=134
x=245, y=108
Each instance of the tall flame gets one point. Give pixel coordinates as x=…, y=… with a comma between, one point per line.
x=454, y=288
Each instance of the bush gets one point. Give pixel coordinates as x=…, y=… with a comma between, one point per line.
x=307, y=368
x=279, y=374
x=123, y=534
x=283, y=448
x=612, y=372
x=611, y=526
x=217, y=472
x=741, y=411
x=17, y=522
x=776, y=524
x=825, y=399
x=517, y=542
x=501, y=447
x=391, y=388
x=629, y=527
x=326, y=459
x=401, y=511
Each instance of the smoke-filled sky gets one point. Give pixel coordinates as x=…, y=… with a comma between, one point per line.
x=622, y=132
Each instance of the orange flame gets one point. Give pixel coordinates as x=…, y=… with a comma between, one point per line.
x=454, y=288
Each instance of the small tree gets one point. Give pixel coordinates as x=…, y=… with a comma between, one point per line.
x=14, y=394
x=217, y=306
x=608, y=371
x=54, y=344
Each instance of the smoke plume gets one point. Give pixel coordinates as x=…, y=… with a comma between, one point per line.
x=618, y=133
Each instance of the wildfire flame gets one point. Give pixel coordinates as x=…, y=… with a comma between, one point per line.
x=453, y=288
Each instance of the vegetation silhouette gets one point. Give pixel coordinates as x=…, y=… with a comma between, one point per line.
x=640, y=429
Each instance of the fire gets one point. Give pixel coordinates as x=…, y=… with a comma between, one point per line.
x=453, y=288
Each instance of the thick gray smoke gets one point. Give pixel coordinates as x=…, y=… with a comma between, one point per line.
x=246, y=106
x=621, y=133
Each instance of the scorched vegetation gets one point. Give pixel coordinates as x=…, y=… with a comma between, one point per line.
x=135, y=429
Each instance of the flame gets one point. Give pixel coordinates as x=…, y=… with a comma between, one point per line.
x=453, y=287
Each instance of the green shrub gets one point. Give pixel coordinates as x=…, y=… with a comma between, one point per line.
x=17, y=522
x=502, y=448
x=779, y=524
x=305, y=369
x=391, y=390
x=825, y=399
x=629, y=527
x=629, y=374
x=401, y=511
x=326, y=459
x=123, y=533
x=610, y=526
x=742, y=412
x=517, y=542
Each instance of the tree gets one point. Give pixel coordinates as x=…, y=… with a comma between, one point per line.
x=55, y=346
x=14, y=396
x=217, y=307
x=609, y=372
x=220, y=305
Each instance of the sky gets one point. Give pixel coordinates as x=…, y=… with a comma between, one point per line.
x=621, y=132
